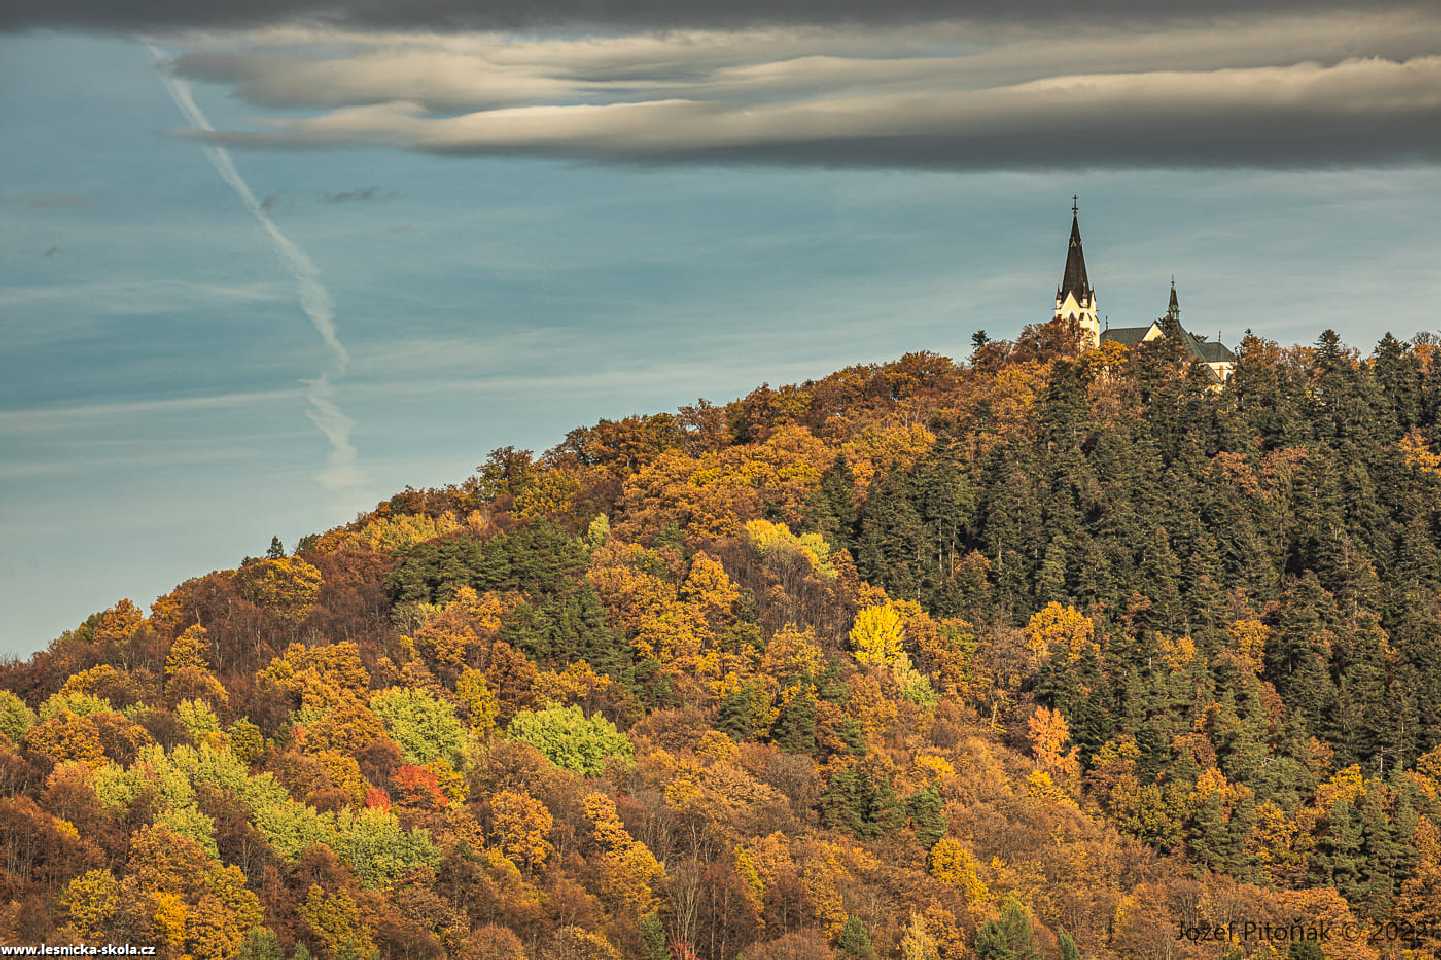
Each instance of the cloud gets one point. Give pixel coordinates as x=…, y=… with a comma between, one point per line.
x=138, y=296
x=48, y=419
x=612, y=14
x=1274, y=89
x=1358, y=111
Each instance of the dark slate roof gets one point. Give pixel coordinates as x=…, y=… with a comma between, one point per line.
x=1074, y=279
x=1211, y=351
x=1206, y=351
x=1130, y=336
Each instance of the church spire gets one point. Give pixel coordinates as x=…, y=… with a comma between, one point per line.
x=1074, y=280
x=1075, y=298
x=1174, y=310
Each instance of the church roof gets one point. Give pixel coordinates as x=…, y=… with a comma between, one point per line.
x=1074, y=280
x=1130, y=336
x=1209, y=351
x=1197, y=348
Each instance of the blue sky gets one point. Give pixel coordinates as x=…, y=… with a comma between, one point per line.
x=152, y=411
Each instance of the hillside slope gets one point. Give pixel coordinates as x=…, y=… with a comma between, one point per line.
x=1043, y=655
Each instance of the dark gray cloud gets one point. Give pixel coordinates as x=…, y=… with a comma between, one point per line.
x=1367, y=111
x=153, y=15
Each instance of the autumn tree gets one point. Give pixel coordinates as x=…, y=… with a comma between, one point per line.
x=520, y=824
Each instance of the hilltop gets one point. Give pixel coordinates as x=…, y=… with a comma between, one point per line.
x=1050, y=653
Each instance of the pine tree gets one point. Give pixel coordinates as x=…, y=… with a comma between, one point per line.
x=832, y=510
x=652, y=938
x=928, y=816
x=1007, y=937
x=855, y=940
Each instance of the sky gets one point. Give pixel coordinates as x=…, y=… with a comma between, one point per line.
x=266, y=263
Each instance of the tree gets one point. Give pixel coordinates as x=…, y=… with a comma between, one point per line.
x=1059, y=630
x=15, y=716
x=286, y=586
x=855, y=940
x=479, y=701
x=520, y=824
x=90, y=902
x=1049, y=734
x=859, y=798
x=1009, y=936
x=878, y=636
x=652, y=938
x=425, y=727
x=917, y=943
x=952, y=863
x=1419, y=902
x=631, y=871
x=334, y=926
x=570, y=739
x=928, y=816
x=375, y=845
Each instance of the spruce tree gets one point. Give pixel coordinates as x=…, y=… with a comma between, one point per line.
x=855, y=940
x=1007, y=937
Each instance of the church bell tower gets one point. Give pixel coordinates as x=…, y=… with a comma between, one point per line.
x=1076, y=298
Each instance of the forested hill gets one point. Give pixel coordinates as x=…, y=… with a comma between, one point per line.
x=1040, y=655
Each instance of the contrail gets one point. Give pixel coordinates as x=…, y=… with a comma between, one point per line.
x=314, y=297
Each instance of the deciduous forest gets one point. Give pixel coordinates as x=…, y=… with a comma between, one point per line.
x=1044, y=654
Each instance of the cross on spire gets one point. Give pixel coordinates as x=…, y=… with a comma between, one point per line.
x=1075, y=204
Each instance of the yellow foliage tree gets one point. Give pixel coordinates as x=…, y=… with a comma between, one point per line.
x=630, y=869
x=710, y=589
x=878, y=637
x=286, y=586
x=520, y=826
x=335, y=925
x=952, y=863
x=1049, y=734
x=1060, y=628
x=478, y=700
x=190, y=650
x=90, y=902
x=917, y=942
x=1417, y=453
x=319, y=675
x=878, y=449
x=1248, y=641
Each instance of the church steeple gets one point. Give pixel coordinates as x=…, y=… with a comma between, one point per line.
x=1170, y=321
x=1074, y=279
x=1075, y=298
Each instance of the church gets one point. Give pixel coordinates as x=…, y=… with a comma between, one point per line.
x=1076, y=300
